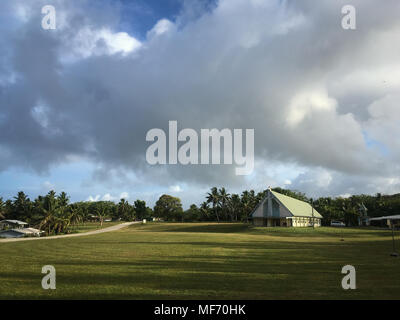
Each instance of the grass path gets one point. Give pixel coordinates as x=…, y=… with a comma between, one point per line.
x=108, y=229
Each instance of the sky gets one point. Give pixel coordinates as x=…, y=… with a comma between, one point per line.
x=76, y=102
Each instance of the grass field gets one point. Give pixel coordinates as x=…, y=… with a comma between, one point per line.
x=204, y=261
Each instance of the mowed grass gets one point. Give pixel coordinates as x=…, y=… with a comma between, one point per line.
x=204, y=261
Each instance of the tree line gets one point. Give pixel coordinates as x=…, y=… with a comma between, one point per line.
x=219, y=205
x=54, y=214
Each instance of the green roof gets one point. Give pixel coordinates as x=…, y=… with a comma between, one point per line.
x=297, y=207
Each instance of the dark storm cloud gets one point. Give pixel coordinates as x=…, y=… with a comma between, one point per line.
x=286, y=69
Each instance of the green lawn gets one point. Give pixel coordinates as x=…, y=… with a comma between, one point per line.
x=204, y=261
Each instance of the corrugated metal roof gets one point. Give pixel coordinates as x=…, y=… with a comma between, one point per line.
x=20, y=232
x=297, y=207
x=28, y=230
x=12, y=233
x=13, y=221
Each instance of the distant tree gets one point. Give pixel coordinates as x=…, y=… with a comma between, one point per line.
x=247, y=204
x=84, y=207
x=125, y=210
x=213, y=198
x=55, y=214
x=149, y=212
x=223, y=199
x=8, y=208
x=63, y=199
x=76, y=216
x=21, y=207
x=51, y=194
x=50, y=211
x=101, y=213
x=168, y=208
x=140, y=209
x=192, y=214
x=234, y=205
x=204, y=211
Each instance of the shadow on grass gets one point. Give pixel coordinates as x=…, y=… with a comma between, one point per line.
x=268, y=275
x=261, y=270
x=115, y=266
x=191, y=276
x=195, y=228
x=242, y=228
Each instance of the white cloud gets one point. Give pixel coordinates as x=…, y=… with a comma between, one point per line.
x=162, y=26
x=176, y=188
x=94, y=42
x=306, y=103
x=47, y=185
x=93, y=199
x=108, y=197
x=124, y=195
x=119, y=42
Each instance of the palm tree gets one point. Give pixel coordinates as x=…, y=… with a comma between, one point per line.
x=62, y=220
x=63, y=199
x=75, y=214
x=234, y=206
x=213, y=197
x=56, y=218
x=84, y=211
x=101, y=213
x=51, y=194
x=253, y=200
x=123, y=208
x=49, y=212
x=204, y=210
x=223, y=200
x=246, y=203
x=21, y=207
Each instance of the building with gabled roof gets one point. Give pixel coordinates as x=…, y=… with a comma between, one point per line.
x=17, y=229
x=277, y=209
x=12, y=224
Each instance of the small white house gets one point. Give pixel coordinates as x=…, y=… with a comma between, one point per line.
x=17, y=229
x=12, y=224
